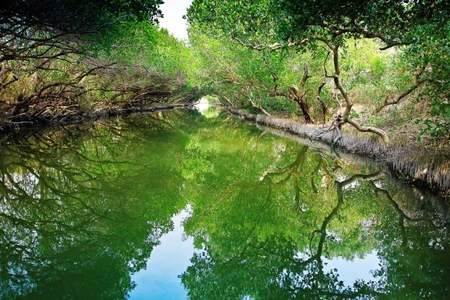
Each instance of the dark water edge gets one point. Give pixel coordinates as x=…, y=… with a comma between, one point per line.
x=81, y=117
x=417, y=167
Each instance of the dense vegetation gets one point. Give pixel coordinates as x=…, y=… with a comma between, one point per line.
x=326, y=56
x=60, y=59
x=381, y=66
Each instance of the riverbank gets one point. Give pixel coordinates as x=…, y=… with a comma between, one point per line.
x=82, y=117
x=421, y=165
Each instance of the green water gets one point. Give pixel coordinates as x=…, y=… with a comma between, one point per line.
x=175, y=205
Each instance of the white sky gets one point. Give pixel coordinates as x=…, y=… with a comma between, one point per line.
x=173, y=11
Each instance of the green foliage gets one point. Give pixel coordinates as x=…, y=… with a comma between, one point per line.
x=413, y=35
x=62, y=58
x=227, y=17
x=27, y=26
x=143, y=45
x=78, y=15
x=428, y=55
x=389, y=20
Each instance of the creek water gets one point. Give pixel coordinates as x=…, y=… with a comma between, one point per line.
x=182, y=204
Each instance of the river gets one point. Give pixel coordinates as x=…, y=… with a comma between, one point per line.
x=180, y=204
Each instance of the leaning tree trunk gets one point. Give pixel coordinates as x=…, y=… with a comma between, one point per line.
x=348, y=101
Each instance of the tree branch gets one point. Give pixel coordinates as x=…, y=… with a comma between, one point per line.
x=273, y=47
x=399, y=98
x=371, y=35
x=348, y=100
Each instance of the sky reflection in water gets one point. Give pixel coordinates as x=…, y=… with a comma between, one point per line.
x=160, y=280
x=100, y=207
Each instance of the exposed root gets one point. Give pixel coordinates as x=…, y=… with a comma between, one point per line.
x=335, y=126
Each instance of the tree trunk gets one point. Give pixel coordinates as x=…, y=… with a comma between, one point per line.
x=348, y=101
x=306, y=113
x=322, y=103
x=300, y=99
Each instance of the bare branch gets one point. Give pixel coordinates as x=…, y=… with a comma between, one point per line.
x=399, y=98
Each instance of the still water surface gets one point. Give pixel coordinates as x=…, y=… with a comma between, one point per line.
x=177, y=205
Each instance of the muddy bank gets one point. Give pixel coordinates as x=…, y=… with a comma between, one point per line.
x=81, y=117
x=422, y=167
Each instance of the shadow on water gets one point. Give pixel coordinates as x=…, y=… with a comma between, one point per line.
x=82, y=209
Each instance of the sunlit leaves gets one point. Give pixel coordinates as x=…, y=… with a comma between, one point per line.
x=416, y=34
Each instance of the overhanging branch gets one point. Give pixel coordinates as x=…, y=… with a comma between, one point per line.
x=399, y=98
x=273, y=47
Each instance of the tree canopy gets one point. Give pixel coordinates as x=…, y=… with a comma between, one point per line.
x=75, y=16
x=30, y=29
x=361, y=63
x=417, y=32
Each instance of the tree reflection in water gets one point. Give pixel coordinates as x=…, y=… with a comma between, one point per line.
x=82, y=210
x=70, y=225
x=267, y=237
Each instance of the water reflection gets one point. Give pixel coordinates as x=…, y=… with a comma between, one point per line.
x=77, y=217
x=356, y=269
x=86, y=212
x=160, y=279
